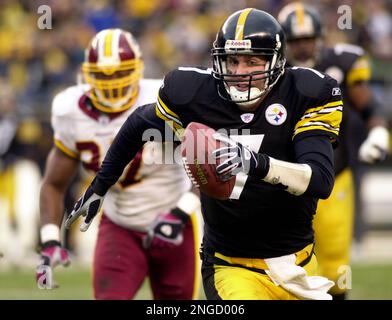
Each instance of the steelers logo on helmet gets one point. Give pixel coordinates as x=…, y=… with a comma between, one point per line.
x=113, y=67
x=276, y=114
x=249, y=32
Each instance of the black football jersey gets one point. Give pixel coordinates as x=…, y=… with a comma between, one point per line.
x=348, y=64
x=261, y=220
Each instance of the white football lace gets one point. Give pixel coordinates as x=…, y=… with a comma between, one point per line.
x=189, y=173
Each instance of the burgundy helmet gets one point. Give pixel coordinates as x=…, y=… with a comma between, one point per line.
x=113, y=67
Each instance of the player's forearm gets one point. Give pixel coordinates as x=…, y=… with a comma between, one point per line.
x=312, y=174
x=59, y=172
x=317, y=152
x=51, y=212
x=125, y=146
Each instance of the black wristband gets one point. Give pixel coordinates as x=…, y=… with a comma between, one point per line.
x=263, y=165
x=180, y=214
x=50, y=243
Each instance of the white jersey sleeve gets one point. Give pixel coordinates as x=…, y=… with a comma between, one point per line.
x=63, y=119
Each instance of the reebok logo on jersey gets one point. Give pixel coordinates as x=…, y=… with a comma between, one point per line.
x=336, y=91
x=276, y=114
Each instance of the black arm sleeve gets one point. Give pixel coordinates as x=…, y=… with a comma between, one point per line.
x=140, y=126
x=317, y=152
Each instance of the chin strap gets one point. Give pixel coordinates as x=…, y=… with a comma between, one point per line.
x=240, y=97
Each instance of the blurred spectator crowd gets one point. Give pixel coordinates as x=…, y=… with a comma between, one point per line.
x=36, y=63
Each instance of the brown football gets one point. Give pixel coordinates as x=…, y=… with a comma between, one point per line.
x=196, y=151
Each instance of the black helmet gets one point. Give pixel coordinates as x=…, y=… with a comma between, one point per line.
x=249, y=32
x=299, y=21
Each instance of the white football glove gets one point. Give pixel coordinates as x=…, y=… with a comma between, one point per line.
x=376, y=146
x=87, y=206
x=234, y=157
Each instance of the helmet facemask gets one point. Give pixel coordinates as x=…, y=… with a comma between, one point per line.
x=113, y=88
x=113, y=68
x=274, y=68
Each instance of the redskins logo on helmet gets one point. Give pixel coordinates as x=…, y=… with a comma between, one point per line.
x=113, y=68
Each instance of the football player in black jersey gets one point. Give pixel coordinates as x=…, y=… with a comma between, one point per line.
x=349, y=65
x=284, y=124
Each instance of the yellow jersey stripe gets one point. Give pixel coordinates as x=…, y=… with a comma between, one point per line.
x=177, y=129
x=330, y=120
x=239, y=31
x=303, y=129
x=166, y=111
x=65, y=150
x=108, y=44
x=323, y=111
x=319, y=123
x=330, y=104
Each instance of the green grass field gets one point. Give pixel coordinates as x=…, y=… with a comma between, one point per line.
x=368, y=282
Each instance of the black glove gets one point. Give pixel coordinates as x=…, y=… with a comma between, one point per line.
x=235, y=158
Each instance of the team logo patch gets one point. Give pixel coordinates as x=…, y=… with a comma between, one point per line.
x=247, y=117
x=276, y=114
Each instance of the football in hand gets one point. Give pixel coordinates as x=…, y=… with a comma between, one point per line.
x=197, y=146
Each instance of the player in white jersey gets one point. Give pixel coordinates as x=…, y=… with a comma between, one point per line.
x=148, y=219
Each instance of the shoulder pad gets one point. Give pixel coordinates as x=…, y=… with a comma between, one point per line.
x=309, y=82
x=182, y=84
x=148, y=91
x=344, y=55
x=347, y=49
x=66, y=102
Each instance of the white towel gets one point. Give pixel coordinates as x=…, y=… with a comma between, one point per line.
x=284, y=272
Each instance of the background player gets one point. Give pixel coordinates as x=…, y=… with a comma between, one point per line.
x=349, y=65
x=142, y=232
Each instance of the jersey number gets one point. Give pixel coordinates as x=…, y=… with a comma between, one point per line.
x=253, y=142
x=130, y=175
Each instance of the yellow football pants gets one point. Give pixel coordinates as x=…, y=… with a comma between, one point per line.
x=238, y=283
x=333, y=224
